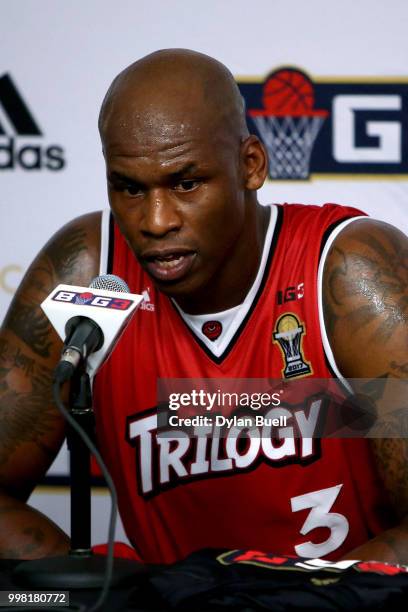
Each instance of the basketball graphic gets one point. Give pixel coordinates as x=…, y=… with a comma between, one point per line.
x=288, y=325
x=288, y=92
x=84, y=298
x=288, y=123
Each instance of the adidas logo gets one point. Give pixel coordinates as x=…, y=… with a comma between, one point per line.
x=147, y=304
x=17, y=120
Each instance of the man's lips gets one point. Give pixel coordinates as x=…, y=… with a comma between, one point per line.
x=168, y=265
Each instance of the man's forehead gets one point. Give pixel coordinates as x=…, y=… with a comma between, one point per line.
x=161, y=127
x=166, y=152
x=145, y=106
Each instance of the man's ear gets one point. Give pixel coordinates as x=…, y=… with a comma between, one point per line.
x=255, y=161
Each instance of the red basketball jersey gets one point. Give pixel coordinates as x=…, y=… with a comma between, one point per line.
x=314, y=498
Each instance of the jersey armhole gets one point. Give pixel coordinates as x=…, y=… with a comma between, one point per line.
x=325, y=339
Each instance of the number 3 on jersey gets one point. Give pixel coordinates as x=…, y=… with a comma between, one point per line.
x=320, y=503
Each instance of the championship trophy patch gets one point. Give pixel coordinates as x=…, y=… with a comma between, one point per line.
x=288, y=335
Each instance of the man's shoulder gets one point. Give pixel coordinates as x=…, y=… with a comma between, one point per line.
x=312, y=224
x=327, y=211
x=365, y=297
x=74, y=250
x=370, y=244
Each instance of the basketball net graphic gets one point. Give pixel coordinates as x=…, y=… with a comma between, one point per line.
x=288, y=124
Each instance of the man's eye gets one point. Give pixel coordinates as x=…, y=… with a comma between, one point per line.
x=129, y=189
x=132, y=190
x=187, y=184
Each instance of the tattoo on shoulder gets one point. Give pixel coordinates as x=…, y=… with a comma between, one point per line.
x=60, y=262
x=378, y=272
x=64, y=253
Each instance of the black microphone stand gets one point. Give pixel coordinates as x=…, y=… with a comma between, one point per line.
x=80, y=569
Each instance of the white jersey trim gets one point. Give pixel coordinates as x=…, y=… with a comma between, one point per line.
x=104, y=250
x=325, y=339
x=232, y=318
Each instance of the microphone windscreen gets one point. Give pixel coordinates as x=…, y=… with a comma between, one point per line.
x=110, y=282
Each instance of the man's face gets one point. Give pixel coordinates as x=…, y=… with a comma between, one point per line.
x=177, y=193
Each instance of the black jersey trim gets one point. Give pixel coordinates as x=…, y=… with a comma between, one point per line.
x=111, y=244
x=235, y=337
x=329, y=366
x=325, y=238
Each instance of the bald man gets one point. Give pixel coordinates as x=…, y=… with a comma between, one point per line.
x=226, y=283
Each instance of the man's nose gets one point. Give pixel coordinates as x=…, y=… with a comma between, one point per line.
x=160, y=214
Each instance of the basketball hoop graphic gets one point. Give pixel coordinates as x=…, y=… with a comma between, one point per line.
x=288, y=124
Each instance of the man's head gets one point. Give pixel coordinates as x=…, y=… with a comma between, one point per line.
x=182, y=170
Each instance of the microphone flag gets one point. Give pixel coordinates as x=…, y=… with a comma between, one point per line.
x=110, y=310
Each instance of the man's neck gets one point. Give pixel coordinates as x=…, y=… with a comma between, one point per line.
x=230, y=288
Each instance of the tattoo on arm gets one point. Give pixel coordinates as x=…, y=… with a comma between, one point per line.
x=373, y=269
x=25, y=416
x=391, y=455
x=32, y=534
x=63, y=254
x=32, y=327
x=59, y=263
x=401, y=368
x=14, y=357
x=336, y=278
x=34, y=539
x=393, y=425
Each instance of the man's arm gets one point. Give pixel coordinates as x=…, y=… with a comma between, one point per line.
x=365, y=297
x=31, y=428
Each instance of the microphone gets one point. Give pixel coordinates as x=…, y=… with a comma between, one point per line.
x=90, y=320
x=83, y=335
